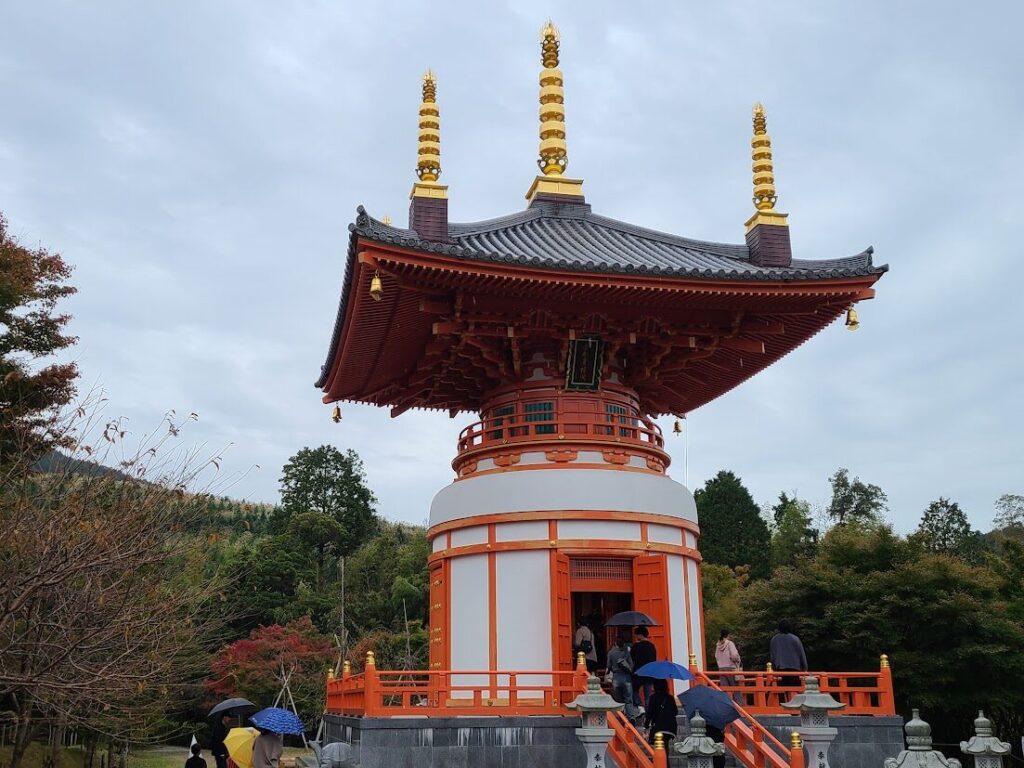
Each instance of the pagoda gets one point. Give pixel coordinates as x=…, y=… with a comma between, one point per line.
x=568, y=332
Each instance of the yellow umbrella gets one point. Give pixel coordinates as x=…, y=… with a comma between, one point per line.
x=239, y=743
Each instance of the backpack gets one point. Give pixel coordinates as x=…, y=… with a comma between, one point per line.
x=586, y=646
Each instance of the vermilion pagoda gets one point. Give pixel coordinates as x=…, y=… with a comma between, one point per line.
x=567, y=331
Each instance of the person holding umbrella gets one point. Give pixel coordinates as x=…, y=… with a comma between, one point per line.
x=661, y=711
x=620, y=667
x=273, y=723
x=267, y=749
x=221, y=726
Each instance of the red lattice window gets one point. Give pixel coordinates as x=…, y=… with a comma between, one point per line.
x=600, y=569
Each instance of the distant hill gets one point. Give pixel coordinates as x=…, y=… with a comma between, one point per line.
x=56, y=461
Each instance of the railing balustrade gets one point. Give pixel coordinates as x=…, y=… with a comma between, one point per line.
x=762, y=692
x=502, y=430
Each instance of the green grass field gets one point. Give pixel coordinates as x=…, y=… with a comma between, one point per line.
x=69, y=758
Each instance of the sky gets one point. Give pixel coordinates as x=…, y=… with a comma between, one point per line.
x=199, y=162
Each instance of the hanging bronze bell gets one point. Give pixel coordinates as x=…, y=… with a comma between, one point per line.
x=376, y=288
x=336, y=414
x=677, y=428
x=852, y=323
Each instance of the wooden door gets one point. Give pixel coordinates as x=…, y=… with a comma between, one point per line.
x=561, y=613
x=439, y=615
x=650, y=595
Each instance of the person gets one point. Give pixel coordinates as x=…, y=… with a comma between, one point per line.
x=196, y=761
x=661, y=711
x=788, y=655
x=643, y=652
x=217, y=748
x=266, y=750
x=727, y=658
x=620, y=667
x=584, y=641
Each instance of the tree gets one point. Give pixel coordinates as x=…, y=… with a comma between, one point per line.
x=944, y=528
x=101, y=625
x=332, y=483
x=953, y=630
x=855, y=502
x=732, y=530
x=793, y=536
x=253, y=667
x=1010, y=511
x=32, y=281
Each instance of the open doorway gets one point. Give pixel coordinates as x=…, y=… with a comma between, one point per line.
x=596, y=608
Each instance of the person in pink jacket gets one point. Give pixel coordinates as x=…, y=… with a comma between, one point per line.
x=727, y=658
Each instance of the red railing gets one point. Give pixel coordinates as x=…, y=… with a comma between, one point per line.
x=501, y=430
x=629, y=749
x=762, y=693
x=375, y=693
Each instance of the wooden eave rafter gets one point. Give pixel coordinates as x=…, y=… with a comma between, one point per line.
x=452, y=348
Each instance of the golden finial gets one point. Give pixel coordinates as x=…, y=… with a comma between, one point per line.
x=693, y=659
x=581, y=659
x=659, y=741
x=794, y=740
x=386, y=220
x=553, y=157
x=761, y=146
x=428, y=163
x=764, y=173
x=768, y=667
x=370, y=659
x=330, y=673
x=884, y=661
x=346, y=668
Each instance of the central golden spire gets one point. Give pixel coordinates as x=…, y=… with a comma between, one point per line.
x=428, y=165
x=764, y=174
x=554, y=158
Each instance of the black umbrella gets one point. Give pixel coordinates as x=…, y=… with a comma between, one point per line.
x=716, y=707
x=233, y=707
x=631, y=619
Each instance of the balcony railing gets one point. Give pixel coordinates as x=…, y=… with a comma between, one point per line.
x=502, y=430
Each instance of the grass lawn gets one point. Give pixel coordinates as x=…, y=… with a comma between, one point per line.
x=70, y=757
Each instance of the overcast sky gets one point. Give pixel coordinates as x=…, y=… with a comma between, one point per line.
x=199, y=162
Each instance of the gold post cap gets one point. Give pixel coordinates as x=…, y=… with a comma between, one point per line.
x=884, y=661
x=794, y=740
x=659, y=741
x=555, y=185
x=371, y=660
x=768, y=667
x=768, y=217
x=429, y=189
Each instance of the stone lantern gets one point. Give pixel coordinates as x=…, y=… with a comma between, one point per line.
x=919, y=752
x=594, y=735
x=698, y=748
x=814, y=729
x=983, y=746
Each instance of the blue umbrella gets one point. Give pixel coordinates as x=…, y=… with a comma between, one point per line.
x=664, y=670
x=716, y=707
x=277, y=720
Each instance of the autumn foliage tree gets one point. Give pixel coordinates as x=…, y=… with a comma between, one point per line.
x=253, y=667
x=32, y=282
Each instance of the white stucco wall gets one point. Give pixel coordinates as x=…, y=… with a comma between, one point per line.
x=523, y=598
x=677, y=608
x=563, y=489
x=526, y=530
x=698, y=631
x=470, y=621
x=618, y=530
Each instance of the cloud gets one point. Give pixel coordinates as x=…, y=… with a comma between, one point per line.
x=199, y=164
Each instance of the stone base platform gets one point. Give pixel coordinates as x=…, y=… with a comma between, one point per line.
x=460, y=742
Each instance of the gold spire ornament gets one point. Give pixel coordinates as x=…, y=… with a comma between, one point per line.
x=852, y=322
x=428, y=156
x=553, y=156
x=764, y=174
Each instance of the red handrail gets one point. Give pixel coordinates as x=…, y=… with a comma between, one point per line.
x=614, y=428
x=629, y=749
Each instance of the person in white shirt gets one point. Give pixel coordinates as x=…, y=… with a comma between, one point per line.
x=584, y=643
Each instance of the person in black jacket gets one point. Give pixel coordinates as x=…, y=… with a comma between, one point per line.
x=661, y=711
x=217, y=748
x=643, y=652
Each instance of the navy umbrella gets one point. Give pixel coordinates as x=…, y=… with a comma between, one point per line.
x=232, y=707
x=664, y=670
x=277, y=720
x=716, y=707
x=631, y=619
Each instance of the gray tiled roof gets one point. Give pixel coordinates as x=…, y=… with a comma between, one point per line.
x=568, y=236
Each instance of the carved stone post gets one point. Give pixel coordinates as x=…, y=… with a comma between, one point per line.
x=594, y=735
x=919, y=752
x=698, y=748
x=984, y=747
x=814, y=730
